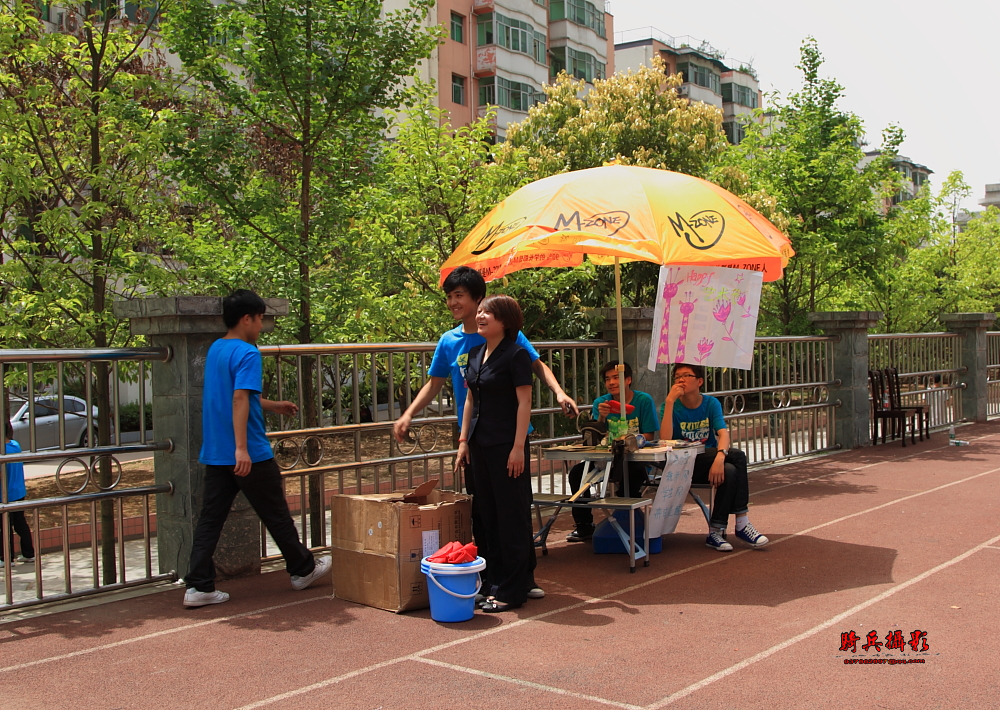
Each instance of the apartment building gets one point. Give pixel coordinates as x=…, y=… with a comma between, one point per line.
x=992, y=197
x=502, y=52
x=709, y=76
x=914, y=175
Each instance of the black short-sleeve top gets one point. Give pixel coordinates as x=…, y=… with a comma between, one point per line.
x=494, y=391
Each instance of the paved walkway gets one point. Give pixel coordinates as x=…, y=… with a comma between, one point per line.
x=882, y=539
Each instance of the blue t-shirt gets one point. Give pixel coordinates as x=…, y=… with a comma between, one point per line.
x=232, y=364
x=701, y=423
x=15, y=475
x=451, y=358
x=643, y=418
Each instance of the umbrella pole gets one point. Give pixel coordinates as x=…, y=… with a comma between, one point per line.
x=621, y=339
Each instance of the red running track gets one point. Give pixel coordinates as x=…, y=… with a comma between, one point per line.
x=880, y=539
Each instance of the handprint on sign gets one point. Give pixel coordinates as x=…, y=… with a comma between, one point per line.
x=687, y=308
x=669, y=291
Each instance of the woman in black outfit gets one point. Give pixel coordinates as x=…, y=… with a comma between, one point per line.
x=495, y=439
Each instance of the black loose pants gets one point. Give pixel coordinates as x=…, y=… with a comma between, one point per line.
x=501, y=515
x=19, y=525
x=263, y=489
x=733, y=496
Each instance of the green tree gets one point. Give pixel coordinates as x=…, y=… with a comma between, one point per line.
x=83, y=115
x=806, y=155
x=292, y=95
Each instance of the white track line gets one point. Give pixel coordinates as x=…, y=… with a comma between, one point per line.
x=694, y=687
x=156, y=634
x=529, y=684
x=420, y=655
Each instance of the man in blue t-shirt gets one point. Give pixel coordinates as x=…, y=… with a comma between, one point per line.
x=16, y=491
x=238, y=456
x=690, y=415
x=464, y=288
x=642, y=420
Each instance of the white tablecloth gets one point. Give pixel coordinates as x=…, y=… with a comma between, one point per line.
x=674, y=485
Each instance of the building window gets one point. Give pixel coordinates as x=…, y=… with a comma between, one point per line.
x=538, y=47
x=458, y=28
x=735, y=131
x=739, y=94
x=579, y=65
x=702, y=76
x=497, y=91
x=515, y=35
x=458, y=89
x=579, y=11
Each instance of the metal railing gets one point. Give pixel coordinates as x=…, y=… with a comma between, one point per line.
x=928, y=364
x=781, y=407
x=52, y=396
x=350, y=395
x=993, y=374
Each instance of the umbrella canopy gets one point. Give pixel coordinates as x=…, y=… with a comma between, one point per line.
x=624, y=212
x=621, y=213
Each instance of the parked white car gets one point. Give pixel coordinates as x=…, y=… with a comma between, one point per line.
x=47, y=422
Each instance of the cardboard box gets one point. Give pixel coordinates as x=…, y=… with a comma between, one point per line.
x=379, y=540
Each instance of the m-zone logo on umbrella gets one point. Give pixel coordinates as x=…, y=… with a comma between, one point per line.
x=605, y=223
x=495, y=232
x=702, y=230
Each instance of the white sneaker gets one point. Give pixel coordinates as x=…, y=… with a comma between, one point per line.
x=192, y=597
x=536, y=593
x=1, y=564
x=21, y=559
x=323, y=565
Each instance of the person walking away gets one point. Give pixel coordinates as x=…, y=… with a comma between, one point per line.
x=16, y=490
x=238, y=456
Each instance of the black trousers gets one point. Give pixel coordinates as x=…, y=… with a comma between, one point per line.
x=19, y=524
x=584, y=517
x=262, y=487
x=733, y=496
x=501, y=522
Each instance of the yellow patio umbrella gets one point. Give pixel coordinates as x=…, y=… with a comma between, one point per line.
x=621, y=213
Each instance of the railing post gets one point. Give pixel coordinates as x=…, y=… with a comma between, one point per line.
x=189, y=325
x=850, y=367
x=972, y=327
x=637, y=332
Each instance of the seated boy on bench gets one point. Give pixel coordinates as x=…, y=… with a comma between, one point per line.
x=694, y=416
x=642, y=419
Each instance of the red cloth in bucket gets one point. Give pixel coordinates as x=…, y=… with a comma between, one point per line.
x=455, y=553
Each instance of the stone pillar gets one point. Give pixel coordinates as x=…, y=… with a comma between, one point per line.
x=850, y=367
x=188, y=325
x=974, y=357
x=637, y=332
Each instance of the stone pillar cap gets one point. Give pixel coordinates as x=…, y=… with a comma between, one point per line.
x=188, y=315
x=186, y=306
x=968, y=320
x=844, y=320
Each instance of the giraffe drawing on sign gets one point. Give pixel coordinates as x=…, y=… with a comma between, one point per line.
x=669, y=291
x=687, y=308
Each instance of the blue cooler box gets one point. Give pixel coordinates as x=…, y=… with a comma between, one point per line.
x=607, y=542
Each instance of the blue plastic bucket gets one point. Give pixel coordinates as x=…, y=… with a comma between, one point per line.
x=452, y=589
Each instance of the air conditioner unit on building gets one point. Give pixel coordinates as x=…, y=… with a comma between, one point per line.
x=684, y=90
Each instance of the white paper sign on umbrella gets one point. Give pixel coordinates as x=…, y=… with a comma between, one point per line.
x=705, y=315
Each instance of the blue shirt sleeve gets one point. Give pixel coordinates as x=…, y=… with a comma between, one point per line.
x=249, y=371
x=526, y=344
x=648, y=421
x=440, y=367
x=715, y=415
